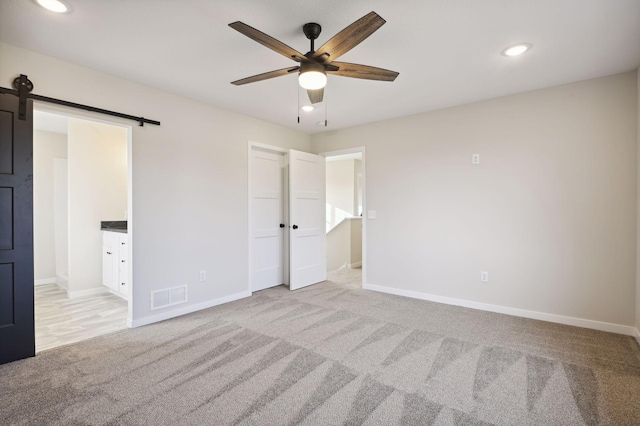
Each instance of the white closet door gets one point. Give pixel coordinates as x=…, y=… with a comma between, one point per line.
x=266, y=219
x=307, y=234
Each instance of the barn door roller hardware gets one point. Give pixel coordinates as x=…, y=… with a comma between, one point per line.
x=22, y=88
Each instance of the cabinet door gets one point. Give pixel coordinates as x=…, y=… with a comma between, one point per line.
x=109, y=268
x=123, y=265
x=110, y=260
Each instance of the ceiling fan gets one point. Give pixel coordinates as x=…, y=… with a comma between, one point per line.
x=315, y=64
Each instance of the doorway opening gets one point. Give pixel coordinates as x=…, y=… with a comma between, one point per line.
x=345, y=227
x=82, y=185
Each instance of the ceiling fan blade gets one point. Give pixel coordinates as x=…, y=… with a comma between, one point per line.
x=315, y=96
x=363, y=71
x=265, y=76
x=268, y=41
x=349, y=38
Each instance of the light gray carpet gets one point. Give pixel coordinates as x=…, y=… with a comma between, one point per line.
x=332, y=354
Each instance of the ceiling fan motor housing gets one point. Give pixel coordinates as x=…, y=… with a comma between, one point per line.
x=310, y=66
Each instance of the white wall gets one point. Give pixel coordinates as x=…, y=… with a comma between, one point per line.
x=356, y=242
x=46, y=147
x=97, y=168
x=357, y=176
x=189, y=195
x=61, y=220
x=344, y=245
x=339, y=246
x=638, y=223
x=340, y=191
x=550, y=212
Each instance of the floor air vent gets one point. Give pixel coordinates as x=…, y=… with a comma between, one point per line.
x=168, y=297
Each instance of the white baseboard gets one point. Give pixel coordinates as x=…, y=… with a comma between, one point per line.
x=186, y=310
x=117, y=293
x=44, y=281
x=62, y=280
x=637, y=335
x=578, y=322
x=87, y=292
x=354, y=265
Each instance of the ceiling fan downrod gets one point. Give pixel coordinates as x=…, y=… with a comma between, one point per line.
x=312, y=31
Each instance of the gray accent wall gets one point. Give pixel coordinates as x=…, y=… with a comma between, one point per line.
x=550, y=212
x=189, y=192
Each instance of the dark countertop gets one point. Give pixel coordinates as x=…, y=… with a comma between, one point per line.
x=114, y=226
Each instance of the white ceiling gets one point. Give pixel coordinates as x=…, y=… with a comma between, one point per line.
x=448, y=52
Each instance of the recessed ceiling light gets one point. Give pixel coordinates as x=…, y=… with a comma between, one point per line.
x=516, y=50
x=307, y=108
x=54, y=5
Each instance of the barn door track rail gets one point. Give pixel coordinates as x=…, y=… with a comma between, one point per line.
x=22, y=88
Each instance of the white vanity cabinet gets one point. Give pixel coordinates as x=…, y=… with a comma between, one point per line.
x=115, y=262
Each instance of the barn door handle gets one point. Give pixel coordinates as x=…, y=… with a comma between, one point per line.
x=295, y=227
x=282, y=225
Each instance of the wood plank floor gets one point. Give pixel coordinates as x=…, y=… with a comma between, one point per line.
x=60, y=321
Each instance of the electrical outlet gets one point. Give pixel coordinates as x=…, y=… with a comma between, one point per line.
x=203, y=275
x=484, y=276
x=475, y=159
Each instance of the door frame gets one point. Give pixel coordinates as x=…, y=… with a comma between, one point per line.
x=355, y=150
x=285, y=212
x=81, y=115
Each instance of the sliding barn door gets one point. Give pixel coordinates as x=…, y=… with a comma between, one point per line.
x=307, y=219
x=17, y=339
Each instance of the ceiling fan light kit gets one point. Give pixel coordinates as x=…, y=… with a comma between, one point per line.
x=315, y=65
x=312, y=76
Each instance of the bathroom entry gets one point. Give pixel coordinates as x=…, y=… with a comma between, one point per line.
x=80, y=180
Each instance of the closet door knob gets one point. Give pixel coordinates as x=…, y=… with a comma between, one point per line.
x=295, y=227
x=282, y=225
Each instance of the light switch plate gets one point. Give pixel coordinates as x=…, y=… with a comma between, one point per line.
x=371, y=214
x=475, y=159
